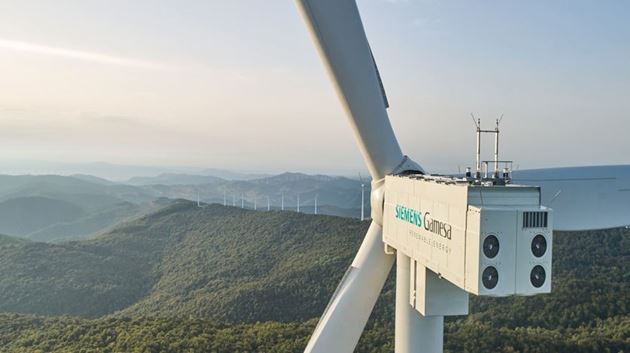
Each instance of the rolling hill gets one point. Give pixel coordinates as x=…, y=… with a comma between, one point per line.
x=81, y=190
x=186, y=255
x=55, y=208
x=217, y=272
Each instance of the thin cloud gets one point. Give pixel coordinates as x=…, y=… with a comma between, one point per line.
x=33, y=48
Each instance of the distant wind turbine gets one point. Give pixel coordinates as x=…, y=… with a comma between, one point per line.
x=362, y=198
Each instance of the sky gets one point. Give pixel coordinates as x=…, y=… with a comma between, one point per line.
x=238, y=84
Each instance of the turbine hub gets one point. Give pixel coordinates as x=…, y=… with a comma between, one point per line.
x=377, y=196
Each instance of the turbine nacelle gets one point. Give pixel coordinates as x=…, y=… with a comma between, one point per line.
x=485, y=239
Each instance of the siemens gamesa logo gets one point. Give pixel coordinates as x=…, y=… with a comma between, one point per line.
x=409, y=215
x=432, y=225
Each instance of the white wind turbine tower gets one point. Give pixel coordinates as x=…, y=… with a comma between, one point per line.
x=224, y=198
x=316, y=196
x=298, y=203
x=362, y=201
x=268, y=203
x=336, y=29
x=362, y=198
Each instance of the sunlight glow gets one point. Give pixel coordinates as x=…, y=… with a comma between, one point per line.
x=26, y=47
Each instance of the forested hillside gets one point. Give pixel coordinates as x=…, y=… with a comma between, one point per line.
x=216, y=262
x=202, y=279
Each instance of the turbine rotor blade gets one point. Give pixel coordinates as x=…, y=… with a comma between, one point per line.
x=583, y=198
x=336, y=29
x=342, y=323
x=380, y=82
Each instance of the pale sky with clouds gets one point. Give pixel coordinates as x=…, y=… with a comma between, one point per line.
x=238, y=84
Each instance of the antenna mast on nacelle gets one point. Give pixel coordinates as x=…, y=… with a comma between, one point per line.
x=496, y=177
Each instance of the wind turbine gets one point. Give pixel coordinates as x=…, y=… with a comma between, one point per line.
x=362, y=198
x=337, y=31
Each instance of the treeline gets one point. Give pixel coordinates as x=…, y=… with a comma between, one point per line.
x=27, y=334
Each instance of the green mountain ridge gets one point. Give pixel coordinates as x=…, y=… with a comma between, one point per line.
x=249, y=263
x=189, y=257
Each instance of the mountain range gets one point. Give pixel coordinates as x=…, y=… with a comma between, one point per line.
x=55, y=208
x=335, y=195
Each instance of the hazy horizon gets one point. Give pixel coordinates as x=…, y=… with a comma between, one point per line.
x=124, y=172
x=238, y=85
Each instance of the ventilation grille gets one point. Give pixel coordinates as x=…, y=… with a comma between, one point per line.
x=535, y=219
